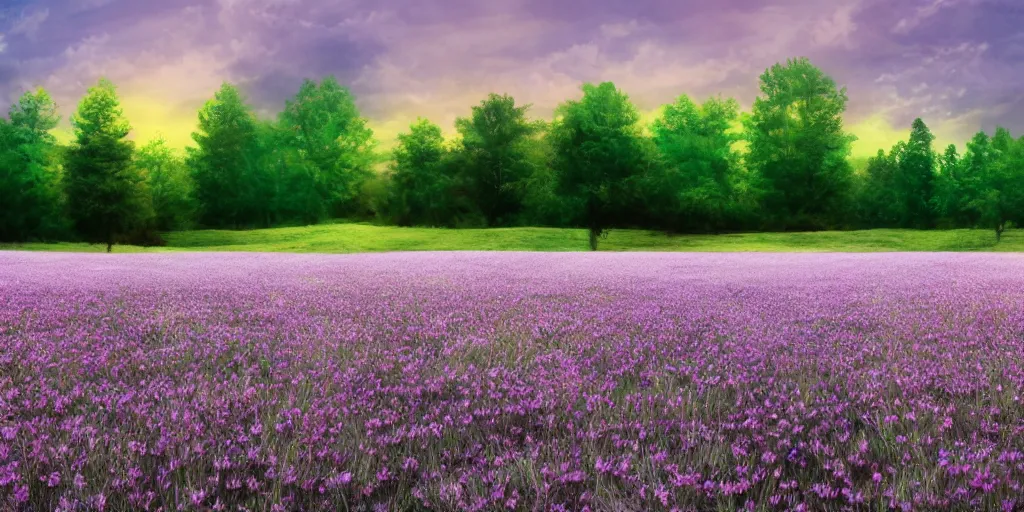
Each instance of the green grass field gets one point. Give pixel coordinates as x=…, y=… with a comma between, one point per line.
x=350, y=238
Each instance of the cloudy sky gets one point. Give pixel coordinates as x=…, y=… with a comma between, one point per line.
x=959, y=64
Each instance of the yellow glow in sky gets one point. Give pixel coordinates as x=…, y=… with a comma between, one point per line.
x=875, y=133
x=151, y=119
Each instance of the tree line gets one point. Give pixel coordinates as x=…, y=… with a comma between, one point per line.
x=697, y=168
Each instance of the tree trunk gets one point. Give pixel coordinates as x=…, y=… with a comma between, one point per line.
x=109, y=246
x=593, y=221
x=999, y=231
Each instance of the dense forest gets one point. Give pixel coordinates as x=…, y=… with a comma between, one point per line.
x=698, y=168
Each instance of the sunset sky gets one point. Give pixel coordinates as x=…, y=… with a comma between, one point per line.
x=959, y=64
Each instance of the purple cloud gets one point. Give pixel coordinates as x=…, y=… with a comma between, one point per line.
x=957, y=63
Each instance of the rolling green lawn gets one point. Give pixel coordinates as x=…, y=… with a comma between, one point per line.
x=348, y=238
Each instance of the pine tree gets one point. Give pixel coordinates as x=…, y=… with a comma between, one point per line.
x=105, y=195
x=231, y=186
x=915, y=179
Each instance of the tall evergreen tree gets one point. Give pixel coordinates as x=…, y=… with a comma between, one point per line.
x=798, y=146
x=106, y=195
x=947, y=201
x=915, y=179
x=599, y=155
x=974, y=171
x=231, y=185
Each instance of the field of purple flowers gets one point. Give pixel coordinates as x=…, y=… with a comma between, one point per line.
x=489, y=381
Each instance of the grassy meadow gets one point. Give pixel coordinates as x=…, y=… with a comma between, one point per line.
x=356, y=238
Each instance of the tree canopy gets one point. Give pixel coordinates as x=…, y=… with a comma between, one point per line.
x=599, y=154
x=106, y=195
x=699, y=166
x=798, y=146
x=30, y=190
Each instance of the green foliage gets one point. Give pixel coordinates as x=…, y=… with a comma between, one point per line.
x=30, y=189
x=419, y=185
x=593, y=166
x=915, y=179
x=327, y=149
x=947, y=200
x=232, y=187
x=169, y=184
x=107, y=200
x=373, y=200
x=495, y=139
x=539, y=189
x=1000, y=197
x=599, y=154
x=879, y=197
x=295, y=190
x=985, y=188
x=799, y=148
x=695, y=187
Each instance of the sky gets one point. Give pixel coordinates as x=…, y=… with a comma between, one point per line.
x=958, y=64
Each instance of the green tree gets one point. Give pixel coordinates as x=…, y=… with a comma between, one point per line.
x=419, y=185
x=798, y=146
x=881, y=199
x=106, y=195
x=974, y=172
x=947, y=201
x=293, y=181
x=332, y=148
x=694, y=188
x=29, y=171
x=599, y=154
x=169, y=184
x=233, y=189
x=915, y=180
x=495, y=139
x=539, y=189
x=1001, y=192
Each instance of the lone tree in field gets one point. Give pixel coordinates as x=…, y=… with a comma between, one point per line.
x=598, y=151
x=798, y=146
x=103, y=187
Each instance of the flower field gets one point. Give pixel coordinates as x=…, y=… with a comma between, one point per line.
x=511, y=381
